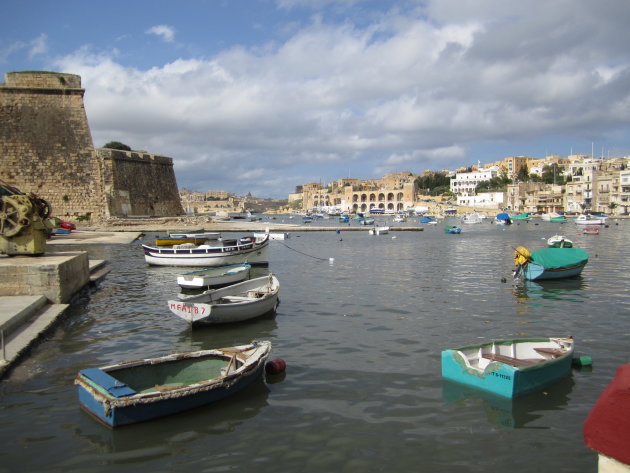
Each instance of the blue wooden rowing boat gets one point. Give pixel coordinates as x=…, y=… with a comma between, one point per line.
x=549, y=263
x=140, y=390
x=509, y=368
x=452, y=229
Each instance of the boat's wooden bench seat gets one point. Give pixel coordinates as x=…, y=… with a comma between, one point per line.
x=235, y=299
x=508, y=360
x=550, y=351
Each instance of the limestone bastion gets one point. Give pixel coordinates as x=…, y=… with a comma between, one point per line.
x=46, y=149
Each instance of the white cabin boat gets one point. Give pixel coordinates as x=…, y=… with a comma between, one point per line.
x=222, y=252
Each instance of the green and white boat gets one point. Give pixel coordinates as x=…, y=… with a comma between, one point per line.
x=509, y=368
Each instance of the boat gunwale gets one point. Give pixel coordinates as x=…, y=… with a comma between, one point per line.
x=459, y=351
x=248, y=364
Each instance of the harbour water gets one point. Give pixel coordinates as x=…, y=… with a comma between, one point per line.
x=361, y=335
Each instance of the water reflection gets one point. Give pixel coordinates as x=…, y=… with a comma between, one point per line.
x=213, y=336
x=534, y=293
x=511, y=413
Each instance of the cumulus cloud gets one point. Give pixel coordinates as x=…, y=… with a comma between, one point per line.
x=409, y=90
x=167, y=33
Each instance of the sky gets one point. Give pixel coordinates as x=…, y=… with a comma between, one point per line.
x=261, y=96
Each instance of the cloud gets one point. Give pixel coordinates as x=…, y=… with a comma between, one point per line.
x=408, y=90
x=38, y=46
x=33, y=48
x=167, y=33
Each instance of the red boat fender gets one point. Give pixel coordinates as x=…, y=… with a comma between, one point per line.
x=607, y=428
x=276, y=366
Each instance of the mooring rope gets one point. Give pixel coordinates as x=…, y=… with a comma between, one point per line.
x=305, y=254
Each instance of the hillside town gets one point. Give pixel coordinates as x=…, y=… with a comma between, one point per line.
x=579, y=184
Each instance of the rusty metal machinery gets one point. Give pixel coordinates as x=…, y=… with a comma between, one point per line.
x=25, y=222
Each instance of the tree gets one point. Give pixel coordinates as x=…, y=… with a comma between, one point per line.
x=496, y=184
x=434, y=183
x=523, y=174
x=117, y=145
x=612, y=206
x=553, y=175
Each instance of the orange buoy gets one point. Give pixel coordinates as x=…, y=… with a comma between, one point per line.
x=276, y=366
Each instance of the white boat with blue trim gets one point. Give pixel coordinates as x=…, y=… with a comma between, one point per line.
x=221, y=252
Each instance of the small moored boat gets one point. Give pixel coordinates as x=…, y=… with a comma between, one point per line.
x=590, y=231
x=553, y=217
x=140, y=390
x=549, y=263
x=236, y=303
x=196, y=235
x=509, y=368
x=273, y=236
x=452, y=229
x=379, y=231
x=588, y=219
x=217, y=276
x=502, y=219
x=220, y=253
x=559, y=241
x=195, y=239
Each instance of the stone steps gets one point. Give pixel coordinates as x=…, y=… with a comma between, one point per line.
x=24, y=319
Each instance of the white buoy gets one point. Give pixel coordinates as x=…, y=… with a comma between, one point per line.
x=331, y=260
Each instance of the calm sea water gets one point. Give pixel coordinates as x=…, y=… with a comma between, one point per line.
x=362, y=337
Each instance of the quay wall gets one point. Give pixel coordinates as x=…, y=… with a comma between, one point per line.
x=46, y=148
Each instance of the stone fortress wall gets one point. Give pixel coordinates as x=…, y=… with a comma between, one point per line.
x=46, y=148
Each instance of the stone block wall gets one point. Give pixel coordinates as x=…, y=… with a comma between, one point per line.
x=45, y=142
x=139, y=184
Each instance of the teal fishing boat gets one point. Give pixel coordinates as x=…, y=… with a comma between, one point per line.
x=549, y=263
x=509, y=368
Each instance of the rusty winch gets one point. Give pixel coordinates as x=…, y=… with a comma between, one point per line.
x=25, y=222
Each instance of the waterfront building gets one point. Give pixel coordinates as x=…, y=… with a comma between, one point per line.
x=485, y=200
x=465, y=183
x=393, y=192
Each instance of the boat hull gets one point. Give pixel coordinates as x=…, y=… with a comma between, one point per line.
x=229, y=304
x=199, y=313
x=503, y=379
x=537, y=272
x=115, y=404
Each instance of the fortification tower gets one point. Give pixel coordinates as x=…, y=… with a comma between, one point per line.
x=45, y=142
x=46, y=148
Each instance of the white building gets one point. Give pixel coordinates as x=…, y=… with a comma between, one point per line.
x=464, y=183
x=487, y=200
